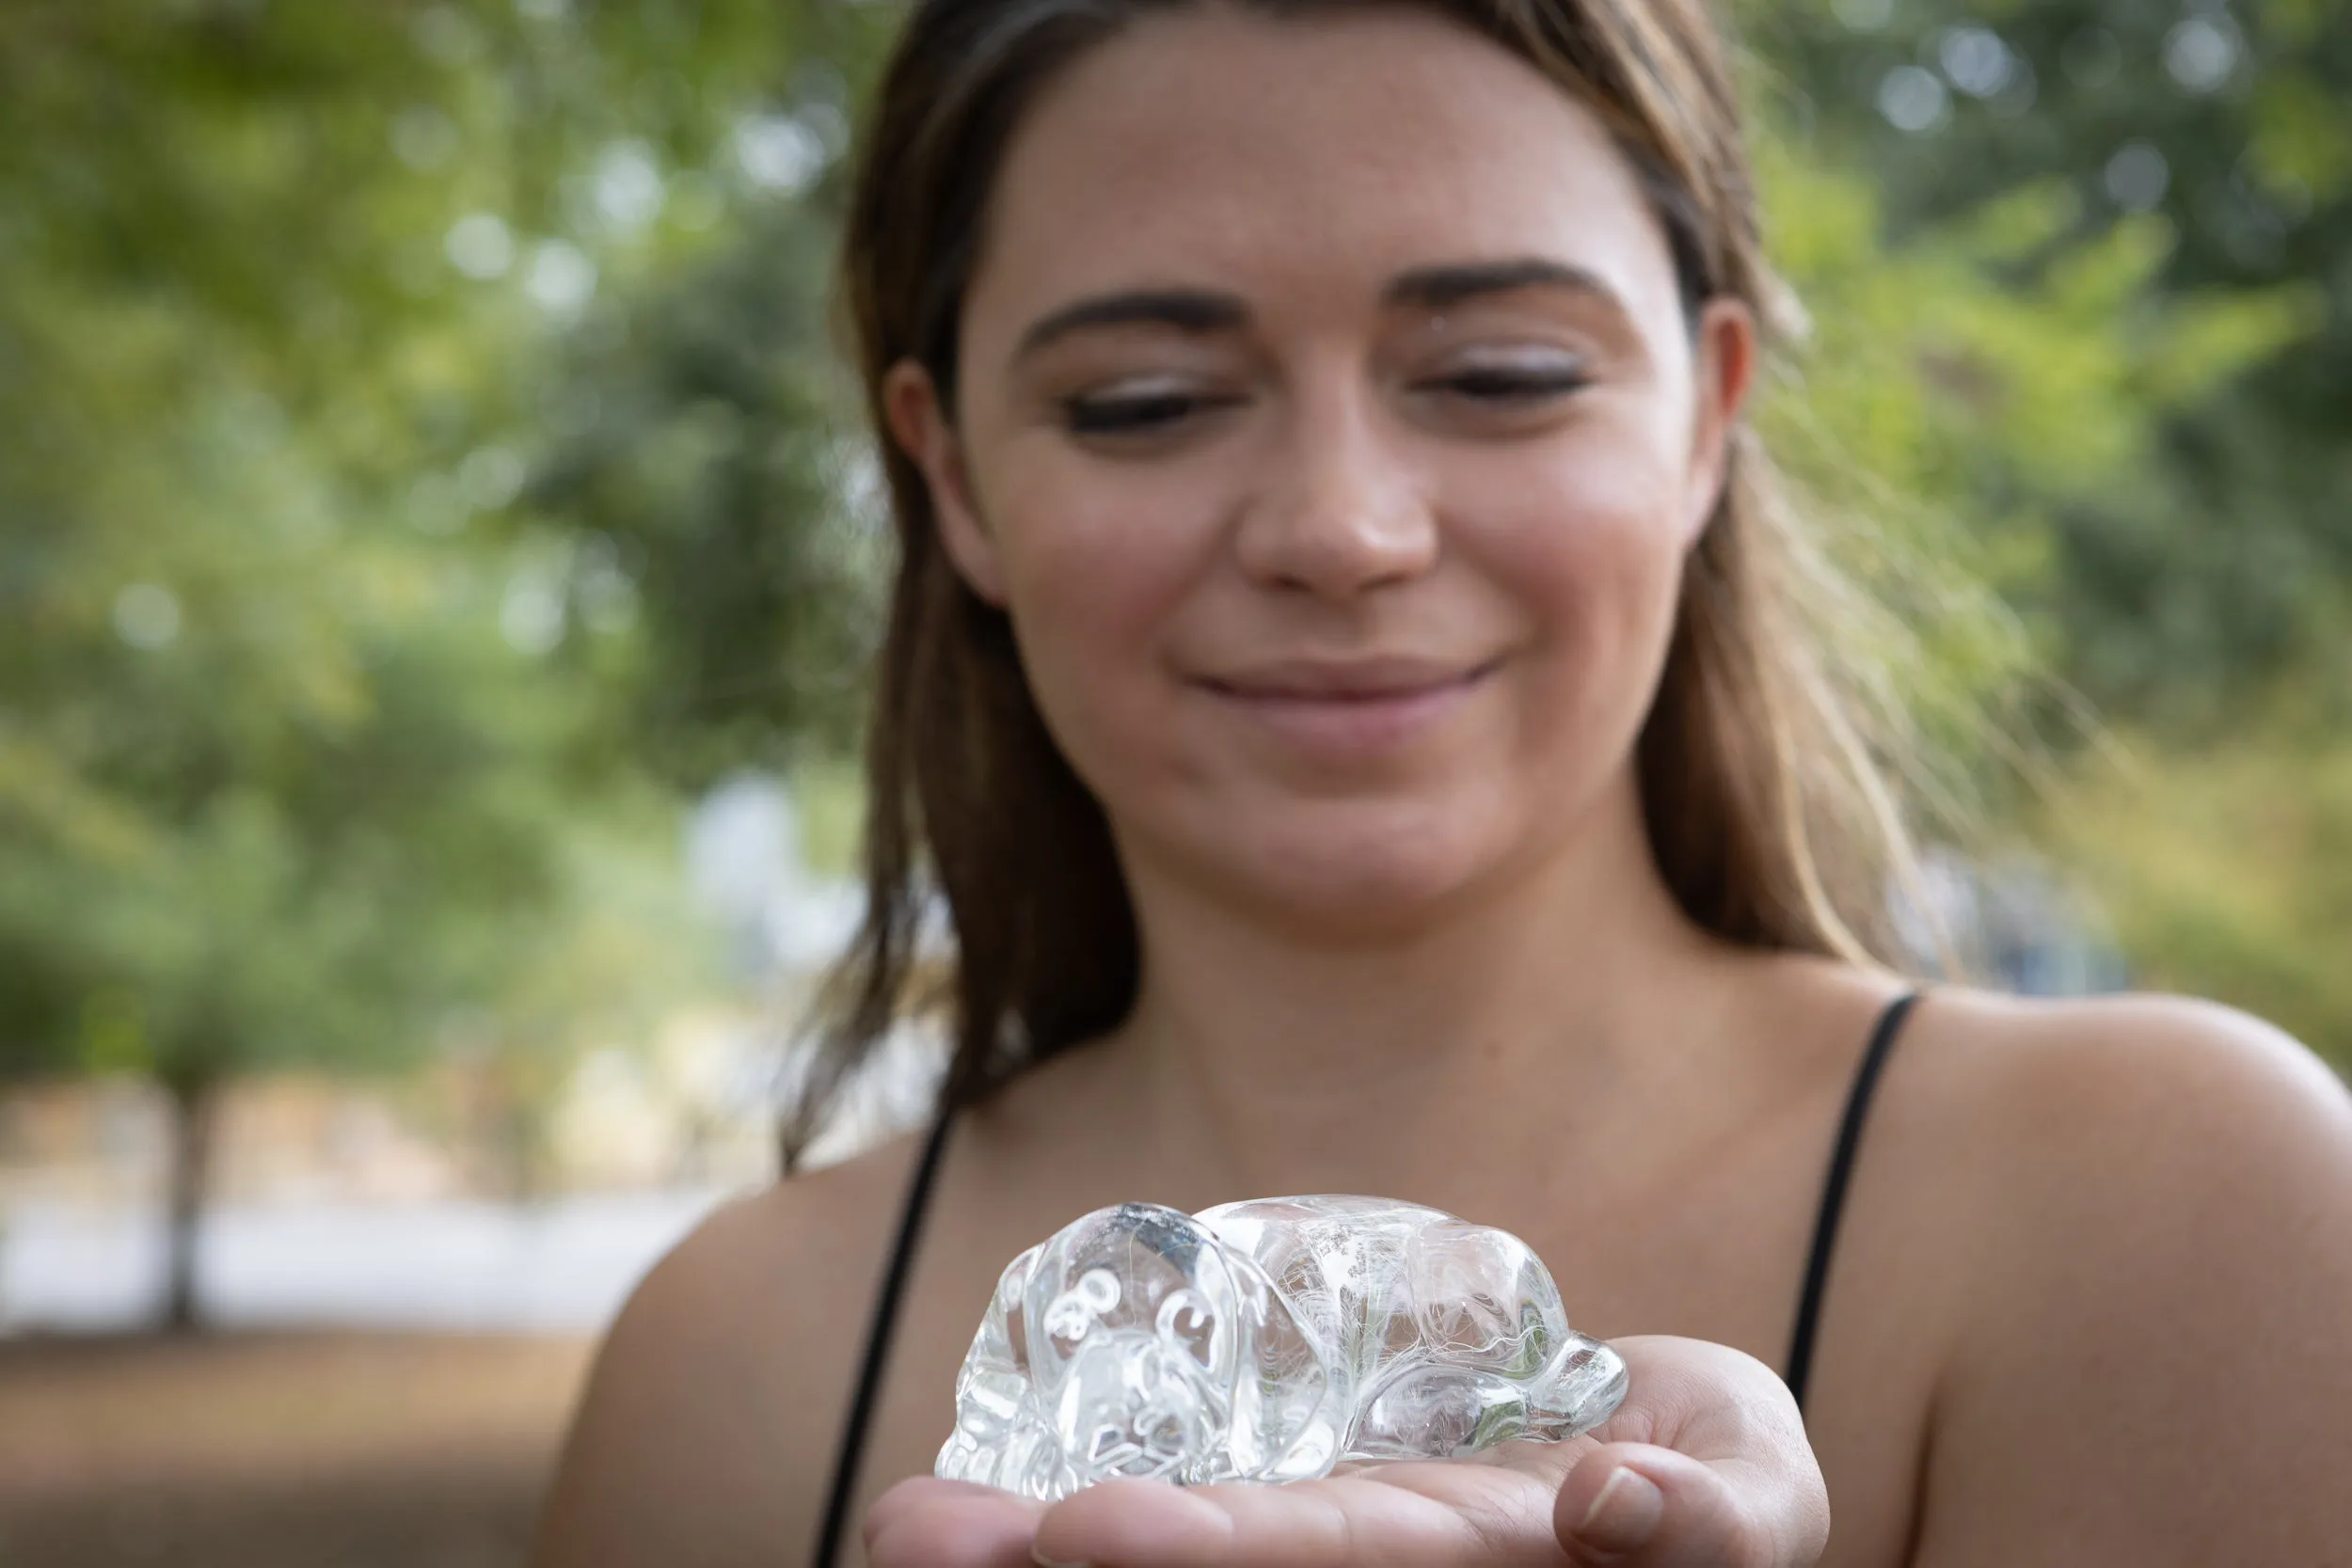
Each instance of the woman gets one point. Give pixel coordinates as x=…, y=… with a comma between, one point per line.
x=1343, y=680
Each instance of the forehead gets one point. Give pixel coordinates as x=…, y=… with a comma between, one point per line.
x=1308, y=158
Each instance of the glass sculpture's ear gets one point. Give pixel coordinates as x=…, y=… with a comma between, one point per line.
x=1287, y=1406
x=1293, y=1405
x=997, y=1421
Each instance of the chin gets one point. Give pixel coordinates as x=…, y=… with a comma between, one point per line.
x=1356, y=879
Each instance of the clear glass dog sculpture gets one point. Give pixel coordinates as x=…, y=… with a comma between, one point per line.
x=1268, y=1340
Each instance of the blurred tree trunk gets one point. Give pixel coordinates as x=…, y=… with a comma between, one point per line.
x=193, y=1097
x=522, y=1142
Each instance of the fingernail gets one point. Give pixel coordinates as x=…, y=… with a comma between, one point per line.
x=1625, y=1512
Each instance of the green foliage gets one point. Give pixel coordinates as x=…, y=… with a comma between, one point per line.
x=2203, y=149
x=2152, y=203
x=275, y=780
x=305, y=711
x=1944, y=409
x=712, y=452
x=2226, y=873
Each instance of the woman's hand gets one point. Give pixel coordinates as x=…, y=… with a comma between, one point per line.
x=1705, y=1465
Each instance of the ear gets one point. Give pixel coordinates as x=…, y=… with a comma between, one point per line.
x=1723, y=372
x=919, y=424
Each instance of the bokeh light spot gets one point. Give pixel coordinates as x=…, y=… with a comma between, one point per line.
x=424, y=137
x=1976, y=60
x=1914, y=100
x=147, y=615
x=2137, y=177
x=530, y=616
x=561, y=280
x=481, y=245
x=779, y=153
x=2200, y=53
x=630, y=190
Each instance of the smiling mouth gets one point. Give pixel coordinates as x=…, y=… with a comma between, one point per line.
x=1369, y=682
x=1349, y=708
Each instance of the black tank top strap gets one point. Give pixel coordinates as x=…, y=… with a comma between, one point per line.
x=843, y=1494
x=1800, y=1343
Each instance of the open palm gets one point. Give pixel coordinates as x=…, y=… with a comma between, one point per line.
x=1705, y=1464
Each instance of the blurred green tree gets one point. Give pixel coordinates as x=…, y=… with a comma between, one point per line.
x=1945, y=414
x=2258, y=895
x=710, y=448
x=2195, y=599
x=305, y=733
x=2217, y=132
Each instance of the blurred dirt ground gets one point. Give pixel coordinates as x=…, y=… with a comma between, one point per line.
x=282, y=1451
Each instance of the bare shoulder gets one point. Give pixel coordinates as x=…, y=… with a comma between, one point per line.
x=2149, y=1366
x=2152, y=1144
x=706, y=1432
x=2119, y=1093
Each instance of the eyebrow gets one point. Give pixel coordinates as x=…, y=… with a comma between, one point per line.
x=1436, y=287
x=1199, y=311
x=1192, y=311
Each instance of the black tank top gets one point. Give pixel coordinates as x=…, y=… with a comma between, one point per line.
x=1800, y=1364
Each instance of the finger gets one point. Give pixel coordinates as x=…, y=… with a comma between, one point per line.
x=1706, y=1400
x=1303, y=1525
x=925, y=1523
x=1484, y=1518
x=1134, y=1524
x=1632, y=1505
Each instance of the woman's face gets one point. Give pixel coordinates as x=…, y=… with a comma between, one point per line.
x=1330, y=429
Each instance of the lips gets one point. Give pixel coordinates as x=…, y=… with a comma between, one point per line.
x=1347, y=710
x=1354, y=681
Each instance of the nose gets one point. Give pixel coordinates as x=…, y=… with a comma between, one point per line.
x=1338, y=513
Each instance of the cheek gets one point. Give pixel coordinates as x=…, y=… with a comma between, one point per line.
x=1584, y=536
x=1095, y=566
x=1587, y=544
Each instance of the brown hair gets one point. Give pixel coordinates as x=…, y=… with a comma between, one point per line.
x=1765, y=812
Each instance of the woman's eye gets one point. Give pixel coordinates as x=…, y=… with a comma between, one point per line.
x=1513, y=384
x=1135, y=413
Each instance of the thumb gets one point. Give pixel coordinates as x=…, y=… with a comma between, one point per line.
x=1635, y=1505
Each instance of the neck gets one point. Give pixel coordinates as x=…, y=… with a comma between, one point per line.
x=1522, y=1018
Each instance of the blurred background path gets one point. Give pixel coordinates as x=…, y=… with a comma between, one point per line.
x=563, y=1266
x=278, y=1450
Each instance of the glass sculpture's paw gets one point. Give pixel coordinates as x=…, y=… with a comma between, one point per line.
x=1267, y=1342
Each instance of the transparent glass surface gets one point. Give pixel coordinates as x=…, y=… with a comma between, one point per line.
x=1267, y=1341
